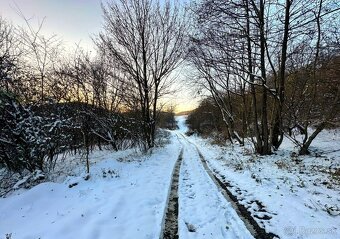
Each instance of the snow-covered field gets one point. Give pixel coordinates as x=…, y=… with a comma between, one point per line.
x=126, y=195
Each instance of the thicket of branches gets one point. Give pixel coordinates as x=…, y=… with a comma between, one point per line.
x=145, y=40
x=270, y=67
x=53, y=102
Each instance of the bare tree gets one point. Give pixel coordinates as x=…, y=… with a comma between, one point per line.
x=41, y=54
x=9, y=55
x=249, y=44
x=314, y=96
x=215, y=76
x=145, y=38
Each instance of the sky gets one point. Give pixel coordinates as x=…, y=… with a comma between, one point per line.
x=74, y=21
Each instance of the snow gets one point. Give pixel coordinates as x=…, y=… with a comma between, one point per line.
x=126, y=194
x=182, y=127
x=299, y=195
x=127, y=201
x=203, y=211
x=202, y=206
x=20, y=182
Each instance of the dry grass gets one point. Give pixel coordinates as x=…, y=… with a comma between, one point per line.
x=282, y=164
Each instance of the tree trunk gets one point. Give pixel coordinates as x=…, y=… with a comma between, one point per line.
x=266, y=149
x=304, y=149
x=277, y=126
x=258, y=143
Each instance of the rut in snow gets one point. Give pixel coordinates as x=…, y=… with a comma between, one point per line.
x=253, y=227
x=170, y=221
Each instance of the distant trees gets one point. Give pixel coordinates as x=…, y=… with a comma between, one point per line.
x=244, y=52
x=41, y=55
x=166, y=119
x=145, y=41
x=206, y=118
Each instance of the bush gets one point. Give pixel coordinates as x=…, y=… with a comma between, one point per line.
x=33, y=136
x=27, y=140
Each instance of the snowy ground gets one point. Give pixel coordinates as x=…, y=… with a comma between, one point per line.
x=124, y=198
x=293, y=197
x=203, y=211
x=126, y=195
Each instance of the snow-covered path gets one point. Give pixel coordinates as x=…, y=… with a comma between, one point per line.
x=203, y=211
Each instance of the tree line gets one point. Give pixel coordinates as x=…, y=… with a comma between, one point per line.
x=271, y=68
x=54, y=101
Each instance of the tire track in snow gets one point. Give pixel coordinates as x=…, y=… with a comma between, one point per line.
x=203, y=212
x=252, y=226
x=170, y=220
